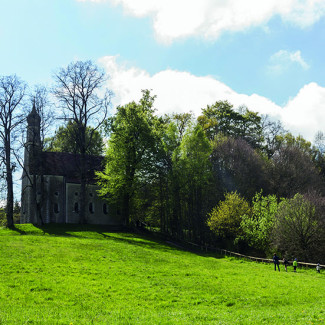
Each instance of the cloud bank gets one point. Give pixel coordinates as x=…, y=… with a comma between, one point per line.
x=179, y=91
x=174, y=19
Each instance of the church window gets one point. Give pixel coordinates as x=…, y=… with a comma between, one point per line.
x=105, y=208
x=56, y=208
x=76, y=207
x=91, y=207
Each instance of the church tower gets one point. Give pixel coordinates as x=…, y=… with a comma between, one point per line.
x=33, y=142
x=32, y=165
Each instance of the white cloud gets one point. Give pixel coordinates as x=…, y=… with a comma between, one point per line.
x=282, y=60
x=179, y=91
x=174, y=19
x=305, y=113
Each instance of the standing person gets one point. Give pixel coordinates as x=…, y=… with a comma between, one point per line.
x=276, y=262
x=285, y=263
x=318, y=268
x=295, y=264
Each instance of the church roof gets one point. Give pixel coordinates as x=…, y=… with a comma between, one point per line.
x=68, y=165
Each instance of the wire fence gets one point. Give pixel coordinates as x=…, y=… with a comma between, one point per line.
x=207, y=248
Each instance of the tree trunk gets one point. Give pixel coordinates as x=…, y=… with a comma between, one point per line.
x=10, y=192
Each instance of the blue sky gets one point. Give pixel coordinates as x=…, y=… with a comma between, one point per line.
x=267, y=55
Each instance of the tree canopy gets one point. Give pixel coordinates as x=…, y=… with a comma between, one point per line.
x=64, y=140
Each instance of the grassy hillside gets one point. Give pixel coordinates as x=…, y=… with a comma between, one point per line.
x=88, y=276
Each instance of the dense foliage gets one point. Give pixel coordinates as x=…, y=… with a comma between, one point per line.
x=202, y=179
x=65, y=140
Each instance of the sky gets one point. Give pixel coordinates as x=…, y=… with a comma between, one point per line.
x=267, y=55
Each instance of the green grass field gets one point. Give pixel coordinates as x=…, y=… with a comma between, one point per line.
x=76, y=275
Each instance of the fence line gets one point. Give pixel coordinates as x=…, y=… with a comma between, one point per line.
x=225, y=252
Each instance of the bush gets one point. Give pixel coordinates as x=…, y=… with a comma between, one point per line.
x=224, y=220
x=257, y=226
x=299, y=228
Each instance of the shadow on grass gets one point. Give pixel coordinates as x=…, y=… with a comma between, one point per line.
x=114, y=233
x=80, y=231
x=141, y=240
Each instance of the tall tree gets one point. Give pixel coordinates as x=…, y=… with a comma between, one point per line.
x=299, y=227
x=130, y=157
x=293, y=171
x=257, y=226
x=77, y=89
x=12, y=92
x=238, y=167
x=222, y=119
x=194, y=174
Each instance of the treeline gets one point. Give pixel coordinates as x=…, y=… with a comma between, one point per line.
x=228, y=176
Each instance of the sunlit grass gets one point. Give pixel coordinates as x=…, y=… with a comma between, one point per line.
x=87, y=275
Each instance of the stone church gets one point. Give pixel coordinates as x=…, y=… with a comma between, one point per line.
x=51, y=184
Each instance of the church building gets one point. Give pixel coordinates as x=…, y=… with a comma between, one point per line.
x=51, y=184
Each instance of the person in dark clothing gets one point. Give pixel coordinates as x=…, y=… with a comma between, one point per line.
x=276, y=262
x=285, y=263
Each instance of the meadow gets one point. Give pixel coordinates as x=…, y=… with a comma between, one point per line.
x=89, y=275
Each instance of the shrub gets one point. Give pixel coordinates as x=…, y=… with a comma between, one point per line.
x=225, y=219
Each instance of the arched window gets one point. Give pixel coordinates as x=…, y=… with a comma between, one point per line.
x=91, y=207
x=105, y=208
x=76, y=207
x=56, y=208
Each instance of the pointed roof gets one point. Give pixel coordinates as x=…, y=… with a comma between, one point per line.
x=33, y=117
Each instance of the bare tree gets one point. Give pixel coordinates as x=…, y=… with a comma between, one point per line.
x=271, y=130
x=77, y=89
x=319, y=141
x=40, y=99
x=12, y=92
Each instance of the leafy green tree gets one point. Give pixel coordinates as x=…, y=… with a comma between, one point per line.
x=130, y=157
x=289, y=140
x=222, y=119
x=299, y=227
x=194, y=174
x=225, y=219
x=257, y=226
x=182, y=121
x=65, y=140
